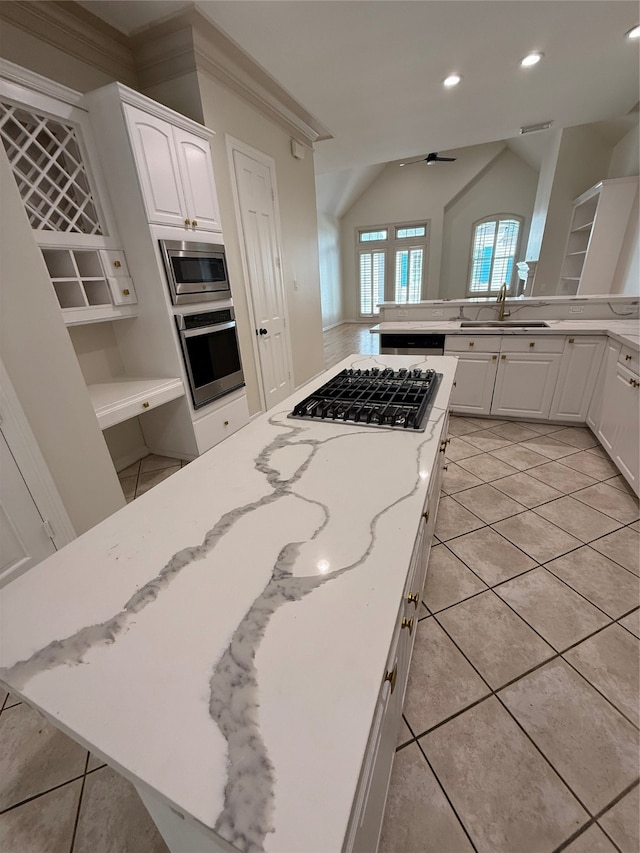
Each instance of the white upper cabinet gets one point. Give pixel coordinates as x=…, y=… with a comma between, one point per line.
x=175, y=172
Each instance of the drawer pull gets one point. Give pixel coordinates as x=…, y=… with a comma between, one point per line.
x=445, y=467
x=117, y=264
x=145, y=405
x=226, y=423
x=413, y=598
x=392, y=677
x=471, y=343
x=503, y=357
x=531, y=344
x=408, y=623
x=187, y=222
x=628, y=357
x=126, y=291
x=425, y=515
x=571, y=340
x=494, y=358
x=194, y=222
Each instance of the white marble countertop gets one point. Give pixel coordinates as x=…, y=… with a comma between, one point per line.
x=222, y=639
x=625, y=331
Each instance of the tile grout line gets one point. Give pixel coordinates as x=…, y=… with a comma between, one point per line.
x=597, y=817
x=40, y=794
x=77, y=820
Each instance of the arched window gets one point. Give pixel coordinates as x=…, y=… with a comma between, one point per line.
x=494, y=245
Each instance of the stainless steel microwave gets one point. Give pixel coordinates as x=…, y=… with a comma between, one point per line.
x=196, y=272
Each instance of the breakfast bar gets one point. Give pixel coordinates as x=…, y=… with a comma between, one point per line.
x=236, y=642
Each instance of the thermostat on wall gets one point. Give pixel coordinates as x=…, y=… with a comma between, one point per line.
x=297, y=150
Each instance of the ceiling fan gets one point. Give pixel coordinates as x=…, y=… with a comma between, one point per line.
x=431, y=158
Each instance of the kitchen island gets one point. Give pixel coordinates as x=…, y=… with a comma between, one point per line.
x=231, y=641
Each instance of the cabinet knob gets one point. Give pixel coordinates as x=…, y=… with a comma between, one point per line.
x=425, y=515
x=628, y=358
x=187, y=222
x=571, y=340
x=471, y=343
x=117, y=264
x=494, y=358
x=194, y=222
x=503, y=357
x=414, y=598
x=408, y=623
x=125, y=292
x=454, y=383
x=392, y=677
x=445, y=467
x=145, y=405
x=226, y=423
x=532, y=344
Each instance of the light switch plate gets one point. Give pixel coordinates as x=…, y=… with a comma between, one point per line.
x=576, y=309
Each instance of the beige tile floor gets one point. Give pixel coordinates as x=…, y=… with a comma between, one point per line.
x=520, y=726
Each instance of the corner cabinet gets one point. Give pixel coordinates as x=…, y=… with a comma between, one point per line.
x=476, y=373
x=596, y=235
x=175, y=172
x=579, y=367
x=619, y=419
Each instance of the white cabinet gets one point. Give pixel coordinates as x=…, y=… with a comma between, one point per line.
x=607, y=368
x=527, y=372
x=619, y=419
x=597, y=232
x=476, y=372
x=368, y=811
x=175, y=172
x=578, y=372
x=226, y=419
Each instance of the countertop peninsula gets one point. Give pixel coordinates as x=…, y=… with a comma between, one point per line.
x=221, y=640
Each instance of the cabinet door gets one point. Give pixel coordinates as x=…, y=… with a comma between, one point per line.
x=525, y=384
x=475, y=377
x=578, y=372
x=606, y=372
x=620, y=422
x=157, y=164
x=196, y=171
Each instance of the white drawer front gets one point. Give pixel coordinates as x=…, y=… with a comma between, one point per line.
x=630, y=359
x=122, y=291
x=114, y=263
x=532, y=343
x=472, y=343
x=221, y=423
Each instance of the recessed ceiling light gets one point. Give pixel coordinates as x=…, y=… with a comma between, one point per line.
x=451, y=80
x=531, y=59
x=634, y=33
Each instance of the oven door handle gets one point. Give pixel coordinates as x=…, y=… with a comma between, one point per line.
x=206, y=330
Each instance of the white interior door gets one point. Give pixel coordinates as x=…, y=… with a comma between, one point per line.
x=256, y=202
x=24, y=537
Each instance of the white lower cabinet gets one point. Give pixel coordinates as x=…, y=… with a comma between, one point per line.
x=222, y=422
x=619, y=422
x=607, y=369
x=526, y=380
x=579, y=367
x=367, y=814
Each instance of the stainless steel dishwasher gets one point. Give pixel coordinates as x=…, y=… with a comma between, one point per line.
x=411, y=343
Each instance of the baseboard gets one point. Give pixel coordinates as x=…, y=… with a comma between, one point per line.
x=332, y=326
x=133, y=456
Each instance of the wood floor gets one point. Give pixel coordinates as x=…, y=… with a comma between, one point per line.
x=349, y=338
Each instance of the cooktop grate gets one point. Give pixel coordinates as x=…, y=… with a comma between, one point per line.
x=376, y=397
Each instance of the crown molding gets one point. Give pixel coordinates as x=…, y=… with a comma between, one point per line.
x=19, y=76
x=189, y=42
x=71, y=29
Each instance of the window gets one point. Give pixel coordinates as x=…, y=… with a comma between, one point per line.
x=494, y=245
x=391, y=267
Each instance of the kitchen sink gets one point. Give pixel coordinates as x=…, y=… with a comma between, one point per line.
x=504, y=324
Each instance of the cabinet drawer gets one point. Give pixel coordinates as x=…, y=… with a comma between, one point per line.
x=221, y=423
x=532, y=343
x=629, y=358
x=122, y=291
x=114, y=263
x=474, y=343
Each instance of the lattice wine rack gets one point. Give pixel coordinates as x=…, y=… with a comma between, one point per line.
x=47, y=164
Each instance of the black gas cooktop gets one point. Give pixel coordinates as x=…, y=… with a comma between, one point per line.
x=376, y=397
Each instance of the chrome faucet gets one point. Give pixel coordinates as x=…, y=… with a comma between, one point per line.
x=502, y=296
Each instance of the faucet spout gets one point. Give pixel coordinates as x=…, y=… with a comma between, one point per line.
x=501, y=300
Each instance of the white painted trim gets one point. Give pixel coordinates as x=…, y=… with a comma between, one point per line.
x=234, y=144
x=13, y=73
x=31, y=464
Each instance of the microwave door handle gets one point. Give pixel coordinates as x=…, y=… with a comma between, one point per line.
x=206, y=330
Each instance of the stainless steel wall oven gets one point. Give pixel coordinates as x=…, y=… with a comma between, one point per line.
x=211, y=354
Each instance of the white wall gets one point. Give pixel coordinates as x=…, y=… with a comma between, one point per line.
x=406, y=194
x=543, y=196
x=625, y=158
x=583, y=160
x=330, y=270
x=508, y=186
x=43, y=368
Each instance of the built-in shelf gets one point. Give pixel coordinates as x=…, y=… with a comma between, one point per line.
x=127, y=397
